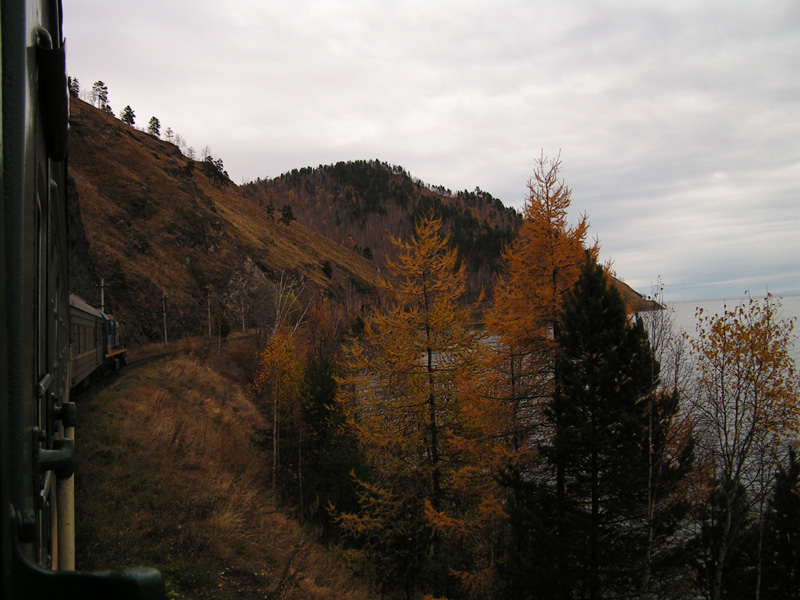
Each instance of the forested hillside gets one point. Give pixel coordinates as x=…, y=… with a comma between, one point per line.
x=564, y=451
x=361, y=204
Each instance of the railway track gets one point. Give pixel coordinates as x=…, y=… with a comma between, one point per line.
x=142, y=361
x=110, y=380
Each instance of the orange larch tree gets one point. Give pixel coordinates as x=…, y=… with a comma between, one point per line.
x=278, y=382
x=402, y=395
x=542, y=264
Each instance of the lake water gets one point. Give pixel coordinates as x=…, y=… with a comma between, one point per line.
x=686, y=320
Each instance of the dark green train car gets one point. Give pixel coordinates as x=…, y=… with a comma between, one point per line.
x=37, y=418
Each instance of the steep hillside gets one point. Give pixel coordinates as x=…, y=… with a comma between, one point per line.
x=360, y=204
x=151, y=222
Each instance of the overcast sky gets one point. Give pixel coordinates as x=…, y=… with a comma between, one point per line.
x=678, y=121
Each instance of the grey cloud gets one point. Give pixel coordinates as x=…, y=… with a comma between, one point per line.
x=678, y=138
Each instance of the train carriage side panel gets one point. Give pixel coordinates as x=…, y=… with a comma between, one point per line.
x=87, y=347
x=36, y=417
x=35, y=273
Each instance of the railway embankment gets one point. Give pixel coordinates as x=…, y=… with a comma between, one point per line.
x=168, y=475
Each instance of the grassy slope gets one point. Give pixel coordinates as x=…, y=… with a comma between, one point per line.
x=167, y=476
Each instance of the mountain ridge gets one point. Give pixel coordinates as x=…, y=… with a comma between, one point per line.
x=362, y=204
x=357, y=203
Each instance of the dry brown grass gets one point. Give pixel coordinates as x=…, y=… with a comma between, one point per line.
x=168, y=476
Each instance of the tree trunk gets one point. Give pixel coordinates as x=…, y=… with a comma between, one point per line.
x=514, y=403
x=434, y=430
x=274, y=442
x=434, y=437
x=723, y=547
x=594, y=539
x=648, y=555
x=561, y=507
x=300, y=470
x=758, y=554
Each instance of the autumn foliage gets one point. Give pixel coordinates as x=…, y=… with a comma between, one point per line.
x=540, y=267
x=540, y=455
x=746, y=407
x=278, y=383
x=403, y=396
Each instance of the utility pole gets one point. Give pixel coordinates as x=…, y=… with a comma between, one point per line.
x=164, y=314
x=102, y=295
x=209, y=314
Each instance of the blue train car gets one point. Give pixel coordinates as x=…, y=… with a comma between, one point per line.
x=96, y=342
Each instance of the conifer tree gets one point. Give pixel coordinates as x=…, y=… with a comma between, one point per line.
x=605, y=378
x=287, y=215
x=99, y=95
x=128, y=116
x=403, y=400
x=329, y=450
x=541, y=265
x=782, y=535
x=154, y=127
